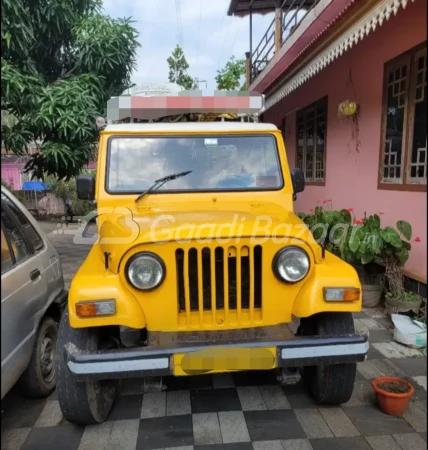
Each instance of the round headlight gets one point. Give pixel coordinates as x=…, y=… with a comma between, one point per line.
x=291, y=264
x=145, y=271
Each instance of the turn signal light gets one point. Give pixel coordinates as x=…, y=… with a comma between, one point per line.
x=97, y=308
x=342, y=294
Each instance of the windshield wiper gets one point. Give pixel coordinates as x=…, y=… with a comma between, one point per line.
x=159, y=183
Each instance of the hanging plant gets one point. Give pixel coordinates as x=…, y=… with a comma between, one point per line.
x=348, y=109
x=349, y=112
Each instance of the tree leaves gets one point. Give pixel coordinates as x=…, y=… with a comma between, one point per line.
x=106, y=47
x=178, y=66
x=61, y=61
x=229, y=78
x=17, y=29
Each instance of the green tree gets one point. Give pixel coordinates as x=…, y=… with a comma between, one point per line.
x=229, y=78
x=178, y=66
x=61, y=61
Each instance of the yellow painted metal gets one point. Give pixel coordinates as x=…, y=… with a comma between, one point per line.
x=162, y=224
x=93, y=282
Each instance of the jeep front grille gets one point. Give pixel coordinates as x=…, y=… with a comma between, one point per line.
x=226, y=281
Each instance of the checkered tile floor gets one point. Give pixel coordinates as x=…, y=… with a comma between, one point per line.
x=236, y=412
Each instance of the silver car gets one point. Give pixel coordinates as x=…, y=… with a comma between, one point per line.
x=32, y=300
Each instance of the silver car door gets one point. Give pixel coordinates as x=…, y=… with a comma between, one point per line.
x=24, y=290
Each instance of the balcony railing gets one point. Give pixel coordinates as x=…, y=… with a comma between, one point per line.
x=264, y=52
x=293, y=13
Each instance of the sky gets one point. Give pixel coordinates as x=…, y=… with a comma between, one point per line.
x=208, y=36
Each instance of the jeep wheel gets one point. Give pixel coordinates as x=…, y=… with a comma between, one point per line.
x=38, y=380
x=329, y=384
x=82, y=403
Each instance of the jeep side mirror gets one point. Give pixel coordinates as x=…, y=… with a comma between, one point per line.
x=85, y=187
x=298, y=179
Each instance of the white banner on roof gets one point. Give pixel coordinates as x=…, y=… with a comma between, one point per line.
x=152, y=89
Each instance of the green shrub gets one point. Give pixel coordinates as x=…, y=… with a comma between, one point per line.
x=328, y=227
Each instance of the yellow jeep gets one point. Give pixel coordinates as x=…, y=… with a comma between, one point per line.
x=200, y=266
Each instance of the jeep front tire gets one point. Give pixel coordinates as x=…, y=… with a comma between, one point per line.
x=81, y=402
x=331, y=384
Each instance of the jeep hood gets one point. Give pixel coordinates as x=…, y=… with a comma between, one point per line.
x=122, y=230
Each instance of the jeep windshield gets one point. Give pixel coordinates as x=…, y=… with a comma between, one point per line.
x=216, y=163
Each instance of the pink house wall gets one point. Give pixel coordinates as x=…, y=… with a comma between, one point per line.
x=351, y=177
x=11, y=174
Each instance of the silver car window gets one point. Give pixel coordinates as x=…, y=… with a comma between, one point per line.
x=31, y=233
x=16, y=239
x=6, y=256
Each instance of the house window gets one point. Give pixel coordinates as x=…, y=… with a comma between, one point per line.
x=311, y=141
x=404, y=130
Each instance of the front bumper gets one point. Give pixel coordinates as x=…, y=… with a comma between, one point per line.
x=294, y=351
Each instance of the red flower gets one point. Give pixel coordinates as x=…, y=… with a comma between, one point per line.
x=381, y=213
x=350, y=210
x=326, y=201
x=359, y=222
x=418, y=239
x=311, y=210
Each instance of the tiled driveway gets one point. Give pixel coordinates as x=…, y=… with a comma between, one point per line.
x=239, y=412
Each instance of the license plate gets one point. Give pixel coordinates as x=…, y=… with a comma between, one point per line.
x=224, y=359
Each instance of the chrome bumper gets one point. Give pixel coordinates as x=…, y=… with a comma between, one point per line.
x=157, y=361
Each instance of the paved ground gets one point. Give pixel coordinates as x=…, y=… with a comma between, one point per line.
x=239, y=412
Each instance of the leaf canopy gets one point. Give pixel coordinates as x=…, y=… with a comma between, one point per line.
x=61, y=61
x=178, y=66
x=229, y=78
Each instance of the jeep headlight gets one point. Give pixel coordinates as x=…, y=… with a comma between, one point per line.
x=145, y=271
x=291, y=264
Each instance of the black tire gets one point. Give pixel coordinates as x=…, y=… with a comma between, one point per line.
x=330, y=384
x=82, y=403
x=38, y=380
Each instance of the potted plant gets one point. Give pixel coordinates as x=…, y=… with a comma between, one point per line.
x=394, y=254
x=349, y=112
x=373, y=246
x=337, y=226
x=360, y=248
x=407, y=302
x=327, y=225
x=393, y=394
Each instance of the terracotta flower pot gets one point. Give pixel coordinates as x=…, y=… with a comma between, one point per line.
x=391, y=403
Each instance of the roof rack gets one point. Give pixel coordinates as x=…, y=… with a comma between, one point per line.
x=185, y=106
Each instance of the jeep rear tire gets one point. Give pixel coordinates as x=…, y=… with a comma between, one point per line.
x=81, y=402
x=329, y=384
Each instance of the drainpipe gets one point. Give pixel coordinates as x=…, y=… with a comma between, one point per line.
x=247, y=70
x=278, y=25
